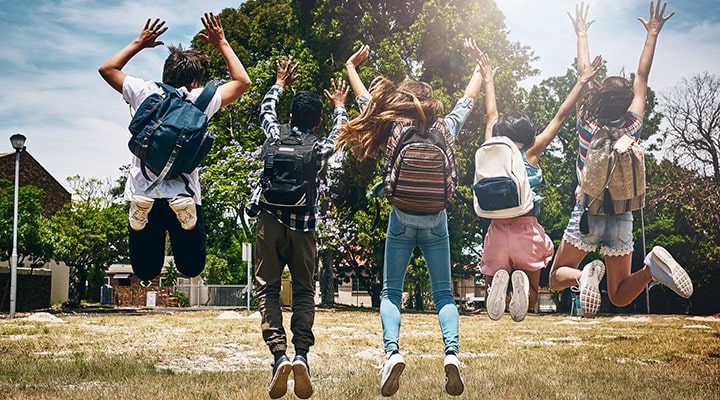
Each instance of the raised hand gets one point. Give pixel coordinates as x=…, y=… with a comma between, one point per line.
x=359, y=56
x=215, y=33
x=580, y=21
x=589, y=73
x=339, y=92
x=286, y=71
x=656, y=22
x=149, y=34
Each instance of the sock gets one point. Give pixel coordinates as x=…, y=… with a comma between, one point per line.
x=278, y=354
x=301, y=352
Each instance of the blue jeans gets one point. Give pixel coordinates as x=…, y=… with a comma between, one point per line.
x=430, y=233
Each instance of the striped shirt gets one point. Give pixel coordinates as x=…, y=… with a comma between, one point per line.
x=298, y=221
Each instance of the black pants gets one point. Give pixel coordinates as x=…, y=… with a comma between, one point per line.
x=147, y=246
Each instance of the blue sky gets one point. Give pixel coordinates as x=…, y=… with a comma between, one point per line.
x=77, y=125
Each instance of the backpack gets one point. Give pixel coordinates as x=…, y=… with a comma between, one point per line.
x=501, y=188
x=169, y=133
x=290, y=170
x=420, y=175
x=612, y=182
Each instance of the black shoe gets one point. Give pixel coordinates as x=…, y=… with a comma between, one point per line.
x=281, y=370
x=301, y=371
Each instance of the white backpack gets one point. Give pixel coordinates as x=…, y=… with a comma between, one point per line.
x=501, y=188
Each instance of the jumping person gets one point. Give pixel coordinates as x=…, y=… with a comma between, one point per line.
x=387, y=108
x=618, y=104
x=174, y=205
x=286, y=235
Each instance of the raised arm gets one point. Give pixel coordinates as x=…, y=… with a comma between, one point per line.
x=488, y=75
x=111, y=70
x=653, y=27
x=548, y=134
x=240, y=81
x=358, y=87
x=475, y=84
x=581, y=26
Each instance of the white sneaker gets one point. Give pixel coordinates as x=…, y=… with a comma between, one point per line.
x=140, y=207
x=495, y=302
x=666, y=271
x=454, y=383
x=519, y=300
x=391, y=370
x=589, y=283
x=184, y=208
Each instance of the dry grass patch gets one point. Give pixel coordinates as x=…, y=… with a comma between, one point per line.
x=221, y=355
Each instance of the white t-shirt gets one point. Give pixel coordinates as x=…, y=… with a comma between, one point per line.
x=136, y=90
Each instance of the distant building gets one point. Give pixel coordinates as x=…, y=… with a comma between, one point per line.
x=55, y=195
x=37, y=288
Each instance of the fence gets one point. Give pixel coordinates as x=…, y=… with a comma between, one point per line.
x=214, y=295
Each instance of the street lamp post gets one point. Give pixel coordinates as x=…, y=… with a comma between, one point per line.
x=18, y=143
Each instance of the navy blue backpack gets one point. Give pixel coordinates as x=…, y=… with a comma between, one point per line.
x=169, y=133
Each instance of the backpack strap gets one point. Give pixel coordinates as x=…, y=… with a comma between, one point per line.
x=202, y=101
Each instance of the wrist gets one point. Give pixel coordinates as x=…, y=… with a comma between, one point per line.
x=349, y=64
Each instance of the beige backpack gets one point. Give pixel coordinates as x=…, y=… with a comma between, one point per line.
x=611, y=181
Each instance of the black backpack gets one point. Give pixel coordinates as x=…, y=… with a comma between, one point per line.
x=169, y=133
x=290, y=172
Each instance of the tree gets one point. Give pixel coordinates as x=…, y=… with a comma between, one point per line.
x=89, y=234
x=34, y=247
x=693, y=115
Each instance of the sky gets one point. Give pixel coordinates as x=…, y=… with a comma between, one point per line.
x=76, y=124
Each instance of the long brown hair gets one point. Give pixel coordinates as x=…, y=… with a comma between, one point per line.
x=409, y=101
x=610, y=100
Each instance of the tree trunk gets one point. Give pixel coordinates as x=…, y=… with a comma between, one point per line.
x=327, y=278
x=419, y=303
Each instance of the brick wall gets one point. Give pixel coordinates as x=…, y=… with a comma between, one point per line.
x=32, y=292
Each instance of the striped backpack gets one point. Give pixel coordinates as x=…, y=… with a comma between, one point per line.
x=419, y=172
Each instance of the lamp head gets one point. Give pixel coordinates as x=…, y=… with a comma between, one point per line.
x=18, y=141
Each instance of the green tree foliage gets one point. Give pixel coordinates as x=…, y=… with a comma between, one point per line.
x=417, y=40
x=321, y=34
x=33, y=245
x=89, y=234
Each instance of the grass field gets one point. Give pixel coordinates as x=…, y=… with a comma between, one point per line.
x=216, y=354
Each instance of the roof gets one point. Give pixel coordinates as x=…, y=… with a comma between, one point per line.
x=55, y=196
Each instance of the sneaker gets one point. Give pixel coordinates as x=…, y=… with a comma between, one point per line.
x=589, y=284
x=184, y=208
x=454, y=383
x=519, y=300
x=391, y=370
x=140, y=207
x=666, y=271
x=301, y=371
x=495, y=303
x=278, y=384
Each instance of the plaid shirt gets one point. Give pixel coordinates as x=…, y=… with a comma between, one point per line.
x=299, y=221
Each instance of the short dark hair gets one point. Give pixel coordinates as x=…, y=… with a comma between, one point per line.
x=516, y=126
x=610, y=100
x=183, y=67
x=306, y=109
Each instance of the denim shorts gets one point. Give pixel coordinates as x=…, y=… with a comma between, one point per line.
x=613, y=233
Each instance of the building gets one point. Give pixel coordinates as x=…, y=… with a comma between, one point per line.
x=37, y=288
x=125, y=288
